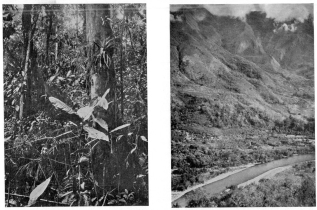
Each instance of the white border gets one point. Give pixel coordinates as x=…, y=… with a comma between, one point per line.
x=158, y=93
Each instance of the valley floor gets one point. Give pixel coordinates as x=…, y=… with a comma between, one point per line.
x=197, y=158
x=285, y=186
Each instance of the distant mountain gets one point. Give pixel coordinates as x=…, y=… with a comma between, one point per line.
x=228, y=72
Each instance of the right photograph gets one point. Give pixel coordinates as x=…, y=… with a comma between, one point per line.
x=242, y=105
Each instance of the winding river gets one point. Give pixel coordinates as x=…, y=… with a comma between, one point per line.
x=241, y=177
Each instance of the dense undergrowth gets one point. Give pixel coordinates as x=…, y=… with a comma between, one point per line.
x=60, y=151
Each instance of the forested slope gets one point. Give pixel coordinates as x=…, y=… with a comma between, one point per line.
x=228, y=72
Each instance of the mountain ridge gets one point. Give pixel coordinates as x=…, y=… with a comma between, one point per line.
x=226, y=72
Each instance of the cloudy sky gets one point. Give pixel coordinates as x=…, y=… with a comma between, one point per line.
x=280, y=12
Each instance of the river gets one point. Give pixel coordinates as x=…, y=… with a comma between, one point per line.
x=241, y=177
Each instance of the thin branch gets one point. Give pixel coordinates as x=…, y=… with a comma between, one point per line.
x=132, y=45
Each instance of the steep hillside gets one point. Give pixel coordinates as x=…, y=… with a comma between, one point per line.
x=227, y=73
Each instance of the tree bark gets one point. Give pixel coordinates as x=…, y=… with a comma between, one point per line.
x=29, y=20
x=121, y=74
x=48, y=34
x=102, y=77
x=56, y=47
x=102, y=74
x=83, y=7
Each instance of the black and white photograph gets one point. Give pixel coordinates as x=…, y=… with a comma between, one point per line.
x=75, y=105
x=242, y=105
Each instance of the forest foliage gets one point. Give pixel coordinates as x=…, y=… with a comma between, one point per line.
x=64, y=147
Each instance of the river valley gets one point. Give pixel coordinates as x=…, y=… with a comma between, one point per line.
x=241, y=177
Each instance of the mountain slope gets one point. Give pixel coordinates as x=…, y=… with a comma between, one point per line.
x=226, y=72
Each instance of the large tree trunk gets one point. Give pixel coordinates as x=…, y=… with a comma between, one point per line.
x=102, y=78
x=29, y=19
x=98, y=33
x=48, y=33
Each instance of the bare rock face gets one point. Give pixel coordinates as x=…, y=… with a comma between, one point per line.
x=228, y=72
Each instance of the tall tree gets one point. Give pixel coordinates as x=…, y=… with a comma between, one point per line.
x=29, y=19
x=101, y=69
x=102, y=77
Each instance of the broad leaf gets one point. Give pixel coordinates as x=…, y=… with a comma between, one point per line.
x=120, y=127
x=95, y=134
x=38, y=191
x=143, y=138
x=61, y=78
x=111, y=202
x=140, y=176
x=52, y=78
x=61, y=105
x=119, y=137
x=68, y=73
x=106, y=93
x=7, y=139
x=133, y=149
x=83, y=159
x=82, y=186
x=103, y=103
x=101, y=122
x=85, y=112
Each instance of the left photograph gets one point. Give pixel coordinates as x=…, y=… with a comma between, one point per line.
x=75, y=105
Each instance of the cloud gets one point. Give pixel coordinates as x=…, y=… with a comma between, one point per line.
x=286, y=27
x=176, y=7
x=279, y=12
x=285, y=12
x=234, y=10
x=175, y=18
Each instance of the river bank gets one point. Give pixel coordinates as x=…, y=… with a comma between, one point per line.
x=240, y=177
x=232, y=170
x=197, y=158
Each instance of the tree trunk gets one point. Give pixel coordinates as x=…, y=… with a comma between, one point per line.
x=48, y=34
x=102, y=74
x=83, y=7
x=121, y=74
x=56, y=48
x=29, y=20
x=102, y=77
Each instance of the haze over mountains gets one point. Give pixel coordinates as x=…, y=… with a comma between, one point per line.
x=239, y=72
